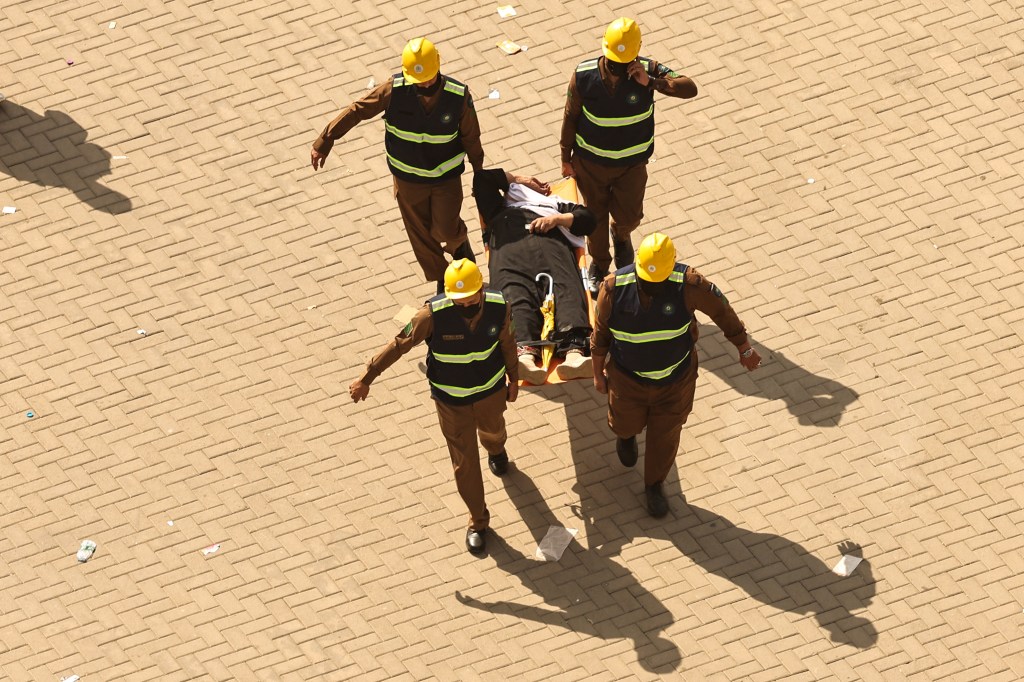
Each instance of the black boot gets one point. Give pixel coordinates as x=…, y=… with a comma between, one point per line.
x=464, y=251
x=623, y=252
x=657, y=505
x=594, y=277
x=627, y=450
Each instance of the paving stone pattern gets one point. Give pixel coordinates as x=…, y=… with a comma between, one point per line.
x=885, y=296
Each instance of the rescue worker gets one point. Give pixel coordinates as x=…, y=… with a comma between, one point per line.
x=430, y=126
x=509, y=203
x=608, y=136
x=645, y=321
x=471, y=351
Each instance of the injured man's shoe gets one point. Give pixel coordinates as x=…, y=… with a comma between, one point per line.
x=530, y=370
x=575, y=366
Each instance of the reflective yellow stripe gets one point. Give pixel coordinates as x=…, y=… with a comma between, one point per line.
x=618, y=122
x=648, y=337
x=441, y=305
x=466, y=358
x=494, y=297
x=457, y=89
x=615, y=154
x=622, y=280
x=588, y=65
x=459, y=392
x=428, y=173
x=398, y=82
x=662, y=373
x=676, y=276
x=419, y=137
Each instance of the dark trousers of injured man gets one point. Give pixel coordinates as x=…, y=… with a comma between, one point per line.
x=460, y=425
x=662, y=410
x=515, y=261
x=616, y=191
x=430, y=212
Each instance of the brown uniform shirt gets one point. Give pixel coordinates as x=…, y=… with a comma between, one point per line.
x=663, y=80
x=377, y=102
x=422, y=327
x=700, y=295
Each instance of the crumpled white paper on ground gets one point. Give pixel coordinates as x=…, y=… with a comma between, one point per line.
x=554, y=543
x=846, y=565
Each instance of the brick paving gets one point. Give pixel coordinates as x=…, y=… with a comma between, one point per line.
x=161, y=183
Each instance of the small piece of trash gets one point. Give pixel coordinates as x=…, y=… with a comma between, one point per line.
x=506, y=11
x=810, y=181
x=70, y=62
x=207, y=551
x=85, y=551
x=846, y=565
x=170, y=523
x=30, y=414
x=371, y=84
x=73, y=678
x=119, y=158
x=141, y=332
x=493, y=94
x=310, y=307
x=524, y=48
x=508, y=47
x=405, y=315
x=554, y=543
x=9, y=210
x=112, y=24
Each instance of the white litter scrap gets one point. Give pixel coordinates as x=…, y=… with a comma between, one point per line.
x=73, y=678
x=506, y=11
x=846, y=565
x=112, y=24
x=119, y=158
x=493, y=94
x=508, y=47
x=9, y=210
x=810, y=181
x=554, y=543
x=207, y=551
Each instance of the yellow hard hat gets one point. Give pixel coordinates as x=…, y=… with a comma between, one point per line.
x=420, y=60
x=655, y=258
x=622, y=40
x=462, y=279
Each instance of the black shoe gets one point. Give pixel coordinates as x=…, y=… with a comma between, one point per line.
x=498, y=464
x=626, y=447
x=623, y=252
x=476, y=541
x=464, y=251
x=594, y=277
x=657, y=505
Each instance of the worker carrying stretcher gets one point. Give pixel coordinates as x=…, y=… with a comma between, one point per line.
x=530, y=233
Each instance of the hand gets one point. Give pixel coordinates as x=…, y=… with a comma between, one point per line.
x=752, y=362
x=513, y=391
x=637, y=72
x=601, y=383
x=535, y=184
x=318, y=159
x=544, y=225
x=358, y=390
x=567, y=171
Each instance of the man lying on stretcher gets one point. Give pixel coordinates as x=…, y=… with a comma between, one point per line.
x=529, y=232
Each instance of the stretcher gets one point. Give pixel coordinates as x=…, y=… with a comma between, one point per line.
x=564, y=189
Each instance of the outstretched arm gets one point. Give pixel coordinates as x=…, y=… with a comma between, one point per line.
x=363, y=109
x=418, y=330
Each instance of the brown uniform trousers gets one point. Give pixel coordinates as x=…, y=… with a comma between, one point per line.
x=430, y=213
x=617, y=191
x=460, y=425
x=662, y=410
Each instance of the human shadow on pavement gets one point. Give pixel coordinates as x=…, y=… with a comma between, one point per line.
x=590, y=592
x=813, y=399
x=768, y=567
x=50, y=150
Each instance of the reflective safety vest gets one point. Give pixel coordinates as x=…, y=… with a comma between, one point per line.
x=613, y=130
x=654, y=345
x=424, y=147
x=465, y=366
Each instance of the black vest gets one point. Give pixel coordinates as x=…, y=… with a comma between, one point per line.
x=613, y=130
x=653, y=346
x=463, y=366
x=424, y=147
